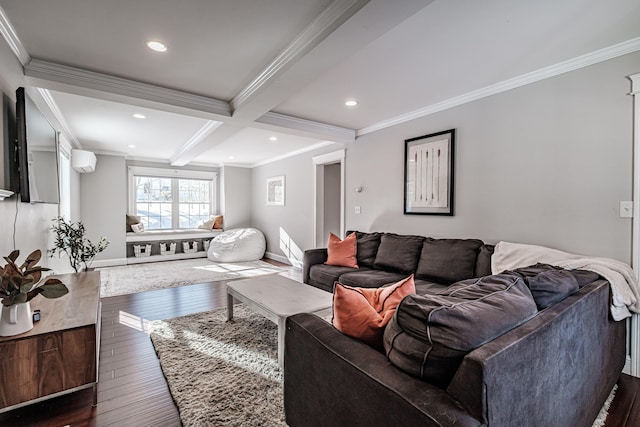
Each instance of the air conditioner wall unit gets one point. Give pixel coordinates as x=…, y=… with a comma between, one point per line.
x=83, y=161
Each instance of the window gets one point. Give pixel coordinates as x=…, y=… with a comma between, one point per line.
x=165, y=202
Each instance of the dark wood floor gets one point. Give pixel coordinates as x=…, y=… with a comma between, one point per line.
x=132, y=390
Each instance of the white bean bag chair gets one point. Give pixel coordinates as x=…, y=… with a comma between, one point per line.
x=237, y=245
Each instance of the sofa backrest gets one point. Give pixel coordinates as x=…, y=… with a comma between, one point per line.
x=398, y=253
x=367, y=248
x=448, y=260
x=440, y=260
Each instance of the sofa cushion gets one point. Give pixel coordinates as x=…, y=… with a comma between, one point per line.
x=362, y=313
x=398, y=253
x=369, y=278
x=430, y=334
x=550, y=284
x=448, y=260
x=342, y=252
x=483, y=262
x=368, y=244
x=322, y=273
x=427, y=287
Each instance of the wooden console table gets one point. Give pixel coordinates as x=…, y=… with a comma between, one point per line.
x=60, y=354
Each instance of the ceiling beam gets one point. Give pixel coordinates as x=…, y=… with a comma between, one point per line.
x=334, y=36
x=79, y=81
x=194, y=147
x=82, y=82
x=336, y=14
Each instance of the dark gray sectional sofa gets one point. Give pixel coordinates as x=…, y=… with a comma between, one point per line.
x=544, y=349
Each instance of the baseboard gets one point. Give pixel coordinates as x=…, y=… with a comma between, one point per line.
x=280, y=258
x=109, y=262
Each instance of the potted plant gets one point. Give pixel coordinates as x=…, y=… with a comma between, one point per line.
x=70, y=239
x=18, y=286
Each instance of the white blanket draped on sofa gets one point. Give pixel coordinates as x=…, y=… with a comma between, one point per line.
x=624, y=286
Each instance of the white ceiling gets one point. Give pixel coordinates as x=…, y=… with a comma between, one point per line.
x=237, y=73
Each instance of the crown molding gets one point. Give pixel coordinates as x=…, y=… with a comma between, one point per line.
x=314, y=129
x=66, y=75
x=582, y=61
x=336, y=14
x=293, y=153
x=9, y=34
x=53, y=107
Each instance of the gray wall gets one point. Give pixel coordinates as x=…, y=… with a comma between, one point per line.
x=235, y=197
x=291, y=226
x=103, y=199
x=543, y=164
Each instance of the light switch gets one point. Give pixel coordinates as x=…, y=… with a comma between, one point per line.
x=626, y=209
x=357, y=210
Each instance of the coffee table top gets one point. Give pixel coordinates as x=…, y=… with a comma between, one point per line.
x=280, y=295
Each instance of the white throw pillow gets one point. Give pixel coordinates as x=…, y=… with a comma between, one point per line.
x=137, y=228
x=208, y=224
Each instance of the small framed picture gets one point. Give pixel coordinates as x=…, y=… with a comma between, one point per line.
x=428, y=174
x=275, y=191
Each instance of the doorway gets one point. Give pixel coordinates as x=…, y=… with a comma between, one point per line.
x=329, y=197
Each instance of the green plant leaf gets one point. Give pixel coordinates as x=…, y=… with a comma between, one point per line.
x=26, y=287
x=32, y=259
x=20, y=298
x=53, y=289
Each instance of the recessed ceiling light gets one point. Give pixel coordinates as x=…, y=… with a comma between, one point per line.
x=131, y=146
x=273, y=138
x=231, y=157
x=157, y=46
x=139, y=116
x=351, y=103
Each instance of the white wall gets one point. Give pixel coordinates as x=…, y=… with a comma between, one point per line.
x=103, y=200
x=32, y=222
x=544, y=164
x=235, y=196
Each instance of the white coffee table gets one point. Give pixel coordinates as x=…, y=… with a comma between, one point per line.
x=276, y=298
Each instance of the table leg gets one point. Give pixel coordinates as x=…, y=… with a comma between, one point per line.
x=229, y=307
x=281, y=331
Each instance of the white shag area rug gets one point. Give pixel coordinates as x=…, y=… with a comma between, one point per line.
x=134, y=278
x=604, y=411
x=221, y=373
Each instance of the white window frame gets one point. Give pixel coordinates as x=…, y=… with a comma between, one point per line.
x=134, y=171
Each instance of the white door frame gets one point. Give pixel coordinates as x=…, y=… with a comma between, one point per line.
x=634, y=324
x=318, y=208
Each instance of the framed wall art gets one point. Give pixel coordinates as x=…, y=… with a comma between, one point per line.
x=428, y=174
x=275, y=191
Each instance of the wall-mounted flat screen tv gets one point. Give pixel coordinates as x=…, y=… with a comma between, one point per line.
x=37, y=144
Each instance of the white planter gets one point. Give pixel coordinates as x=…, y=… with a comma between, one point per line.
x=16, y=319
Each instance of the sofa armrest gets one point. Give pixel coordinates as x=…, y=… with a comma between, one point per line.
x=332, y=379
x=566, y=360
x=312, y=257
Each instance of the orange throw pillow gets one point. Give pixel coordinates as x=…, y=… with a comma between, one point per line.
x=218, y=222
x=363, y=313
x=342, y=252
